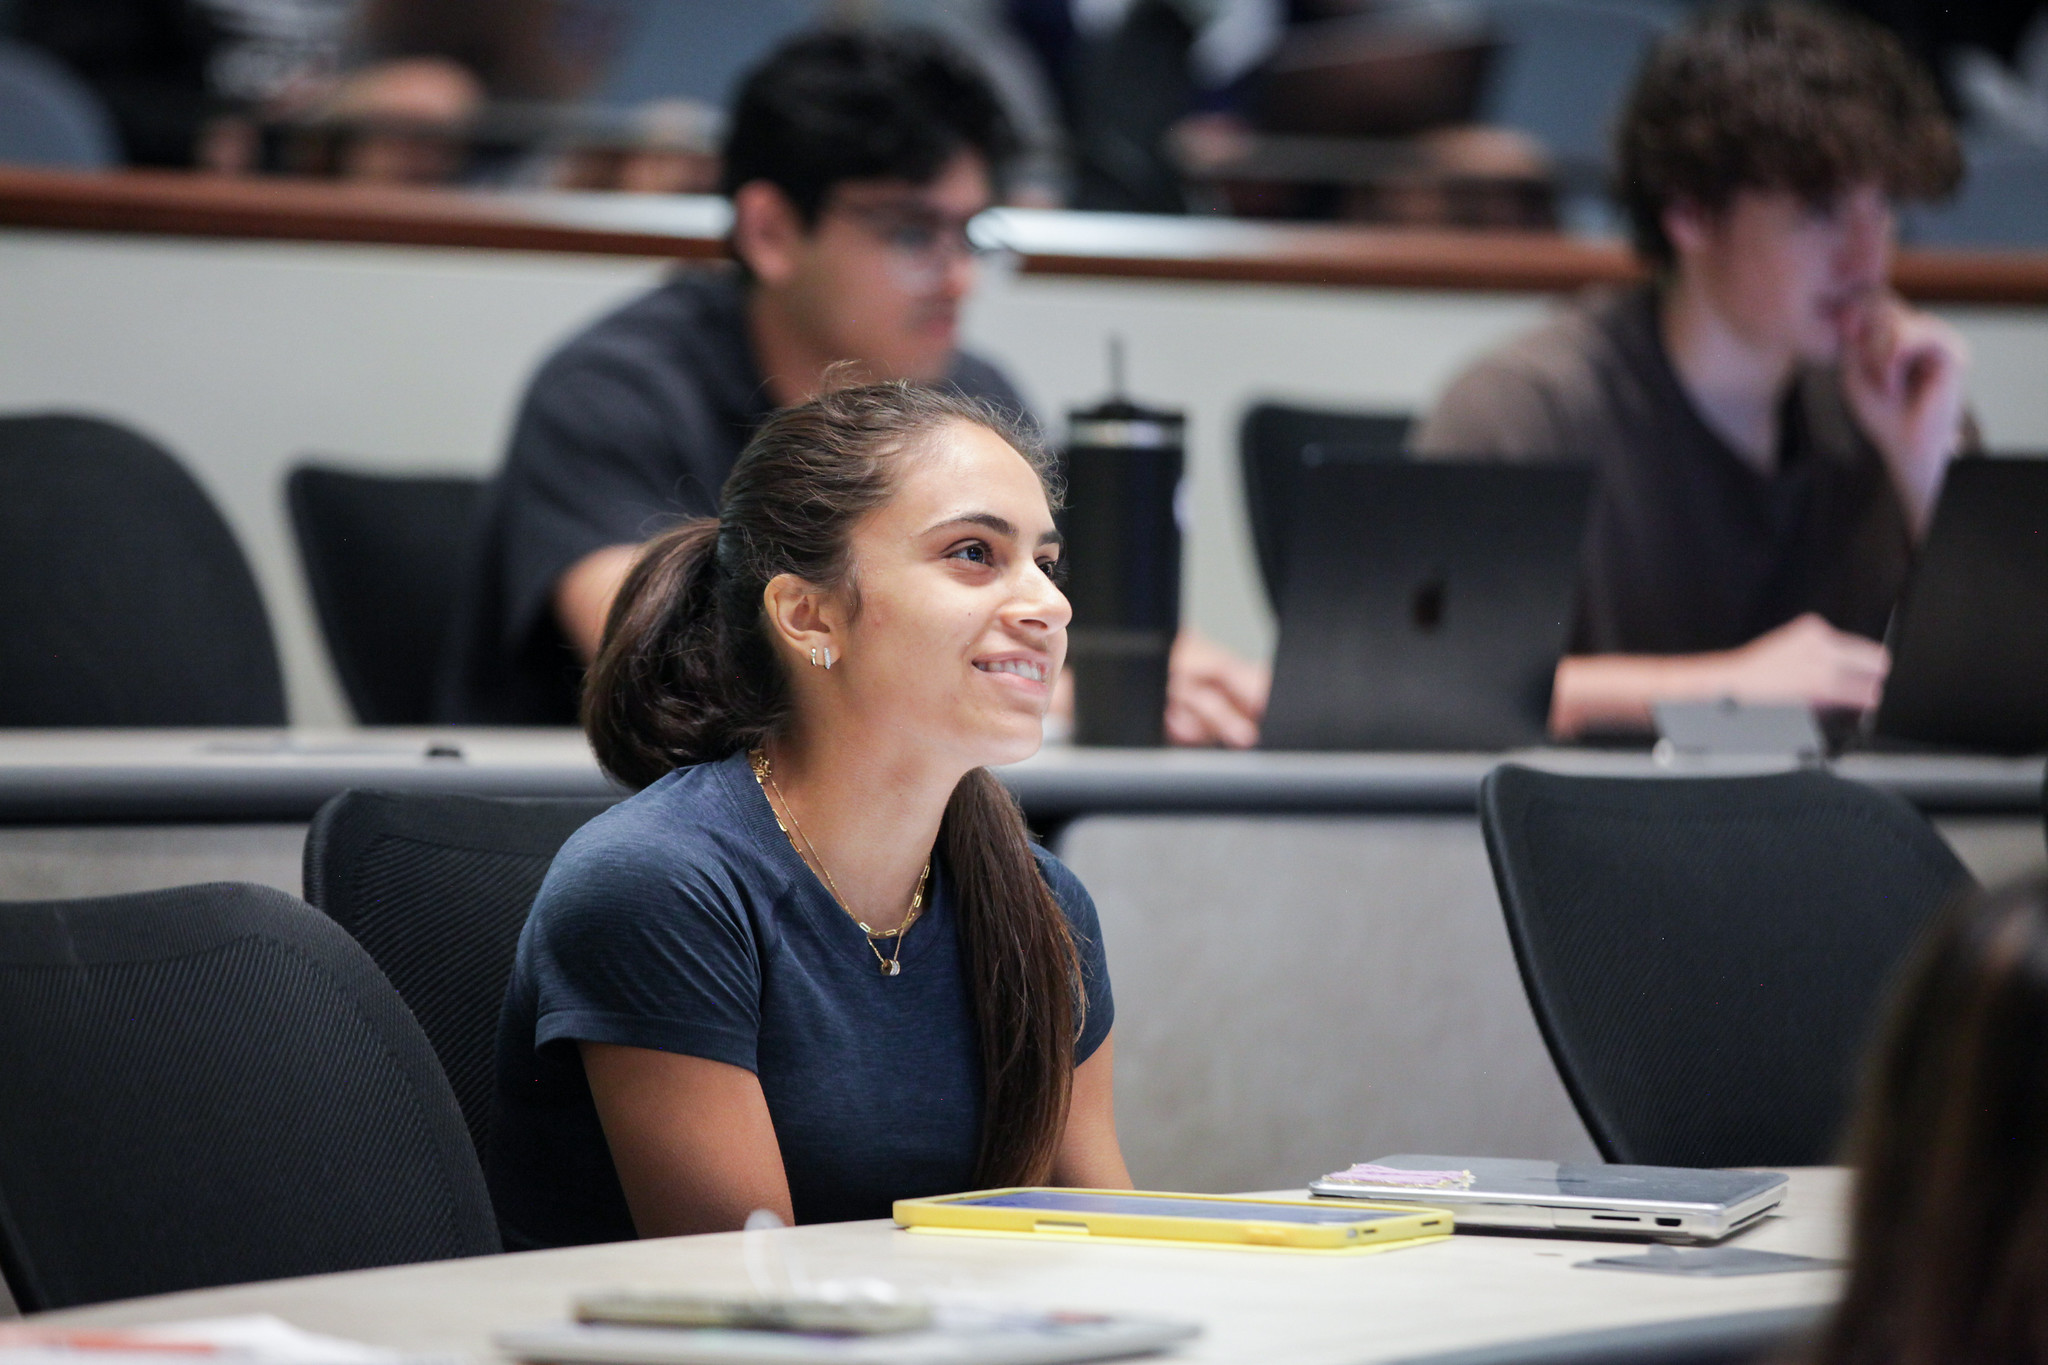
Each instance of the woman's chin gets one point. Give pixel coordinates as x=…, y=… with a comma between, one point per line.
x=1018, y=738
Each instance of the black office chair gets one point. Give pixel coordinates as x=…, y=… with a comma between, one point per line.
x=1275, y=441
x=124, y=599
x=209, y=1085
x=1706, y=957
x=436, y=888
x=1723, y=1339
x=383, y=556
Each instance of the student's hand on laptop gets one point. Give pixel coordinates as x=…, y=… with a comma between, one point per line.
x=1902, y=372
x=1808, y=660
x=1212, y=696
x=1805, y=660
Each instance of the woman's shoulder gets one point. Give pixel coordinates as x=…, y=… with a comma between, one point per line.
x=685, y=833
x=1067, y=889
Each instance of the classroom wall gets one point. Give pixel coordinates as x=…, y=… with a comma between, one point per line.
x=245, y=356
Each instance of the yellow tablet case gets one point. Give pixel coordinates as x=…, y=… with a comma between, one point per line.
x=1411, y=1225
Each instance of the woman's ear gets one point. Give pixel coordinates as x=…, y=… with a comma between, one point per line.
x=801, y=617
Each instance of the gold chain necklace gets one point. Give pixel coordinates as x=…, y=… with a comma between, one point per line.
x=892, y=965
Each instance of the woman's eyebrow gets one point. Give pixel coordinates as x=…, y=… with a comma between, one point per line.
x=990, y=521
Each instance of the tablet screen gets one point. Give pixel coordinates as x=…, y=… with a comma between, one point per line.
x=1164, y=1206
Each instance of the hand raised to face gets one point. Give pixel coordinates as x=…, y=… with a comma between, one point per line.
x=1902, y=373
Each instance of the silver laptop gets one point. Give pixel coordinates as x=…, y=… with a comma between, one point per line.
x=1649, y=1203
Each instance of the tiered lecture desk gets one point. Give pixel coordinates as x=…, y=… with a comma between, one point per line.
x=1255, y=1306
x=1308, y=954
x=1045, y=242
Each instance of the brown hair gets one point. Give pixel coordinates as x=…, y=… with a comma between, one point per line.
x=1949, y=1241
x=686, y=675
x=1777, y=97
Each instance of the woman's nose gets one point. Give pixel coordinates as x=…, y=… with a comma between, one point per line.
x=1041, y=602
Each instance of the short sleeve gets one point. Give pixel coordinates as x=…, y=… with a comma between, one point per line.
x=623, y=948
x=1099, y=1004
x=1498, y=409
x=592, y=463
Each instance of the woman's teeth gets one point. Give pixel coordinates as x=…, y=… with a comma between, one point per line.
x=1021, y=667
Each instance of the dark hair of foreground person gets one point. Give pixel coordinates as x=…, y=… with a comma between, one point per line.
x=1949, y=1239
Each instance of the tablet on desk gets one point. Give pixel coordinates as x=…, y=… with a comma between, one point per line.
x=1655, y=1203
x=1144, y=1215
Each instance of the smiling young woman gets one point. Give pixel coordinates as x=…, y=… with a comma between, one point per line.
x=815, y=964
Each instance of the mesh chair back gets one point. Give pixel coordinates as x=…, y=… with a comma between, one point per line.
x=1706, y=957
x=1275, y=442
x=384, y=555
x=436, y=888
x=124, y=599
x=209, y=1085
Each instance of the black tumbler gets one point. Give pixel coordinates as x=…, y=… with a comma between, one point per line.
x=1122, y=532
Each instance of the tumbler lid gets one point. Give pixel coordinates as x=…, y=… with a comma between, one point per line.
x=1122, y=425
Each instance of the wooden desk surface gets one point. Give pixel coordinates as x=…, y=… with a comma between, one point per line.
x=1255, y=1306
x=1046, y=242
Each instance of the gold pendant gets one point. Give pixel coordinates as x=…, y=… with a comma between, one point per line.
x=891, y=967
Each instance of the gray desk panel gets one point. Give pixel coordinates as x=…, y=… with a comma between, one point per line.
x=179, y=776
x=58, y=777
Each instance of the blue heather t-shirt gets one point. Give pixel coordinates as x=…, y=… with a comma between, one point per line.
x=682, y=920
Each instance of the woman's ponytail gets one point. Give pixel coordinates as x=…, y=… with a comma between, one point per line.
x=672, y=684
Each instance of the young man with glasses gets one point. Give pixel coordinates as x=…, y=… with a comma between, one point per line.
x=856, y=163
x=1770, y=421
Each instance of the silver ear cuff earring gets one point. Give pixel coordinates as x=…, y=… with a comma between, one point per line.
x=828, y=658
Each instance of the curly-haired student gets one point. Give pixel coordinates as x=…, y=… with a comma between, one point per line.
x=1770, y=422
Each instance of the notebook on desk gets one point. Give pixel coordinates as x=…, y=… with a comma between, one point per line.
x=1425, y=605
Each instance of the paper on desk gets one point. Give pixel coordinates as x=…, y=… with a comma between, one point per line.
x=256, y=1340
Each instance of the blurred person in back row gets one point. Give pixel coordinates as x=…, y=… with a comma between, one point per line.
x=855, y=163
x=1949, y=1224
x=1770, y=422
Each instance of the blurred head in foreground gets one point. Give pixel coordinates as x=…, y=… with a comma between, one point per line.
x=1950, y=1232
x=1760, y=154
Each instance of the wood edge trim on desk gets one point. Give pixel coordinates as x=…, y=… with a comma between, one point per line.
x=172, y=204
x=1196, y=250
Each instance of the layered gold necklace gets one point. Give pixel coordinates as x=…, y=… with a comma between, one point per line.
x=786, y=821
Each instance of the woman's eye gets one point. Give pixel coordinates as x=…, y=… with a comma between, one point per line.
x=974, y=552
x=1056, y=570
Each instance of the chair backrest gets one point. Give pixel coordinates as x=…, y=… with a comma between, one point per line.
x=124, y=599
x=1706, y=957
x=48, y=117
x=1276, y=441
x=1723, y=1339
x=436, y=888
x=210, y=1085
x=384, y=555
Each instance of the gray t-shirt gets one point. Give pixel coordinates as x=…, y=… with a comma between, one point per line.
x=1689, y=548
x=630, y=427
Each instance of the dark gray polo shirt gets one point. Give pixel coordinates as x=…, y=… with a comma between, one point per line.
x=1690, y=549
x=630, y=427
